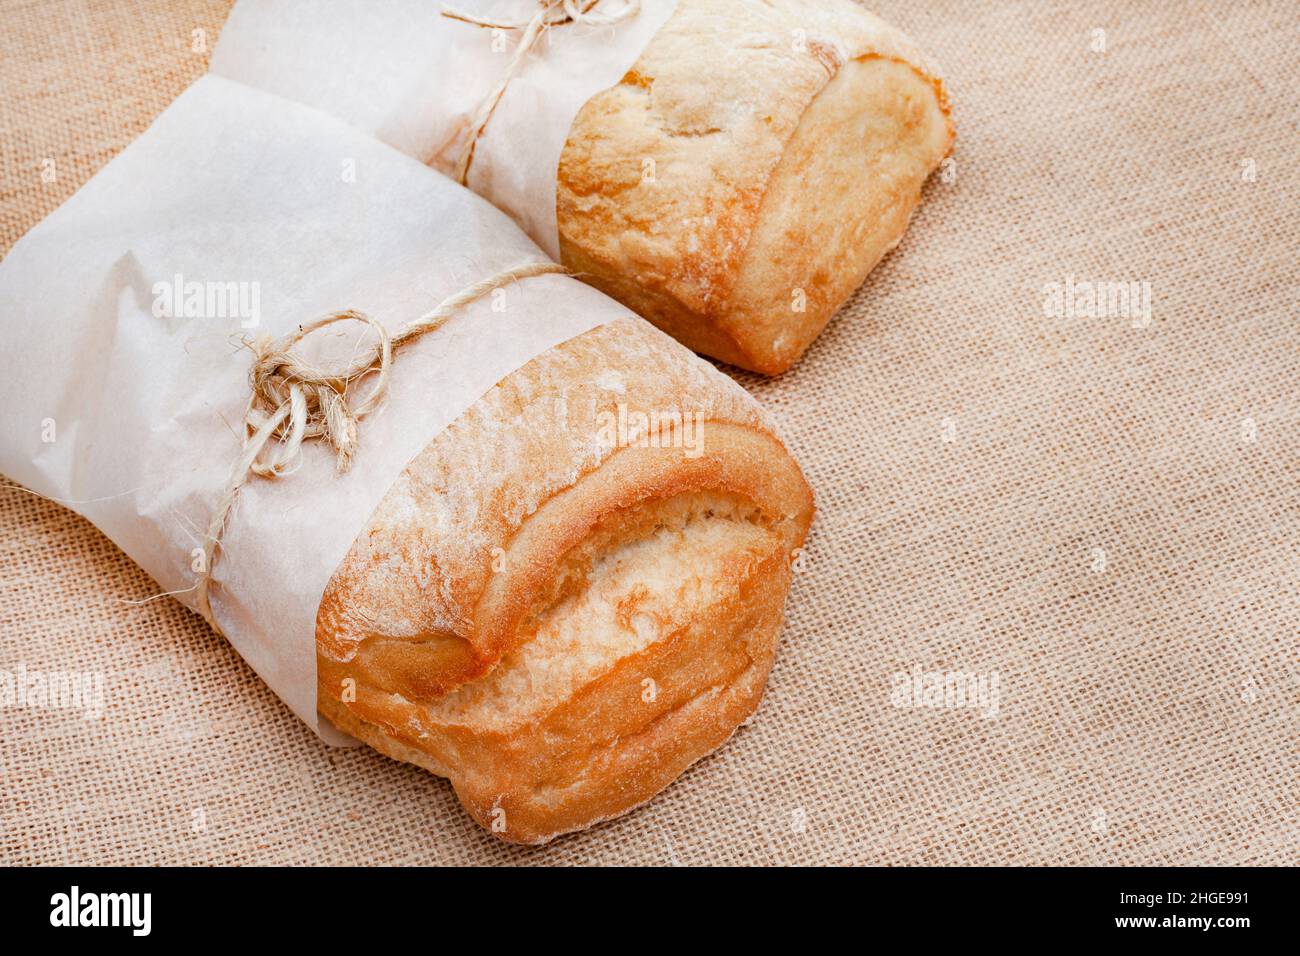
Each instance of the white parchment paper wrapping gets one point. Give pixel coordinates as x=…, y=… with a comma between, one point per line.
x=132, y=417
x=398, y=70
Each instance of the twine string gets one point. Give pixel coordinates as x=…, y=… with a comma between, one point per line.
x=294, y=401
x=550, y=13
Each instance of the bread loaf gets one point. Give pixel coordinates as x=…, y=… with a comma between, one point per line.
x=557, y=623
x=749, y=171
x=730, y=169
x=552, y=563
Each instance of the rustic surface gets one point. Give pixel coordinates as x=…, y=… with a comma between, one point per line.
x=1107, y=517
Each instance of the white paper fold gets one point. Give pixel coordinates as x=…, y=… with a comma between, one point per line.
x=400, y=71
x=128, y=408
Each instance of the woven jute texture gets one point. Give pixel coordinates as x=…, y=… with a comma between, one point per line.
x=1101, y=512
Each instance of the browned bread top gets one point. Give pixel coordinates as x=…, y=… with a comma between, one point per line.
x=471, y=533
x=664, y=177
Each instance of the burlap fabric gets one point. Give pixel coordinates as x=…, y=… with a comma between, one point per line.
x=1103, y=512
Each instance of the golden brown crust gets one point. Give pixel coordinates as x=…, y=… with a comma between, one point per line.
x=718, y=189
x=498, y=618
x=607, y=749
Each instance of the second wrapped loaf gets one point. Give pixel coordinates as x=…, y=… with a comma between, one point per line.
x=729, y=169
x=758, y=160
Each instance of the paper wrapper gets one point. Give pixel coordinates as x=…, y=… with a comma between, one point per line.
x=129, y=408
x=400, y=71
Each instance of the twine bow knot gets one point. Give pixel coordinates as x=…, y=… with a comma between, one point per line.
x=294, y=400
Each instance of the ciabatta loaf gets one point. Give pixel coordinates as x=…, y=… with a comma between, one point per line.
x=749, y=171
x=502, y=528
x=730, y=169
x=567, y=598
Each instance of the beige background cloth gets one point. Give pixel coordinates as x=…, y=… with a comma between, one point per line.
x=970, y=453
